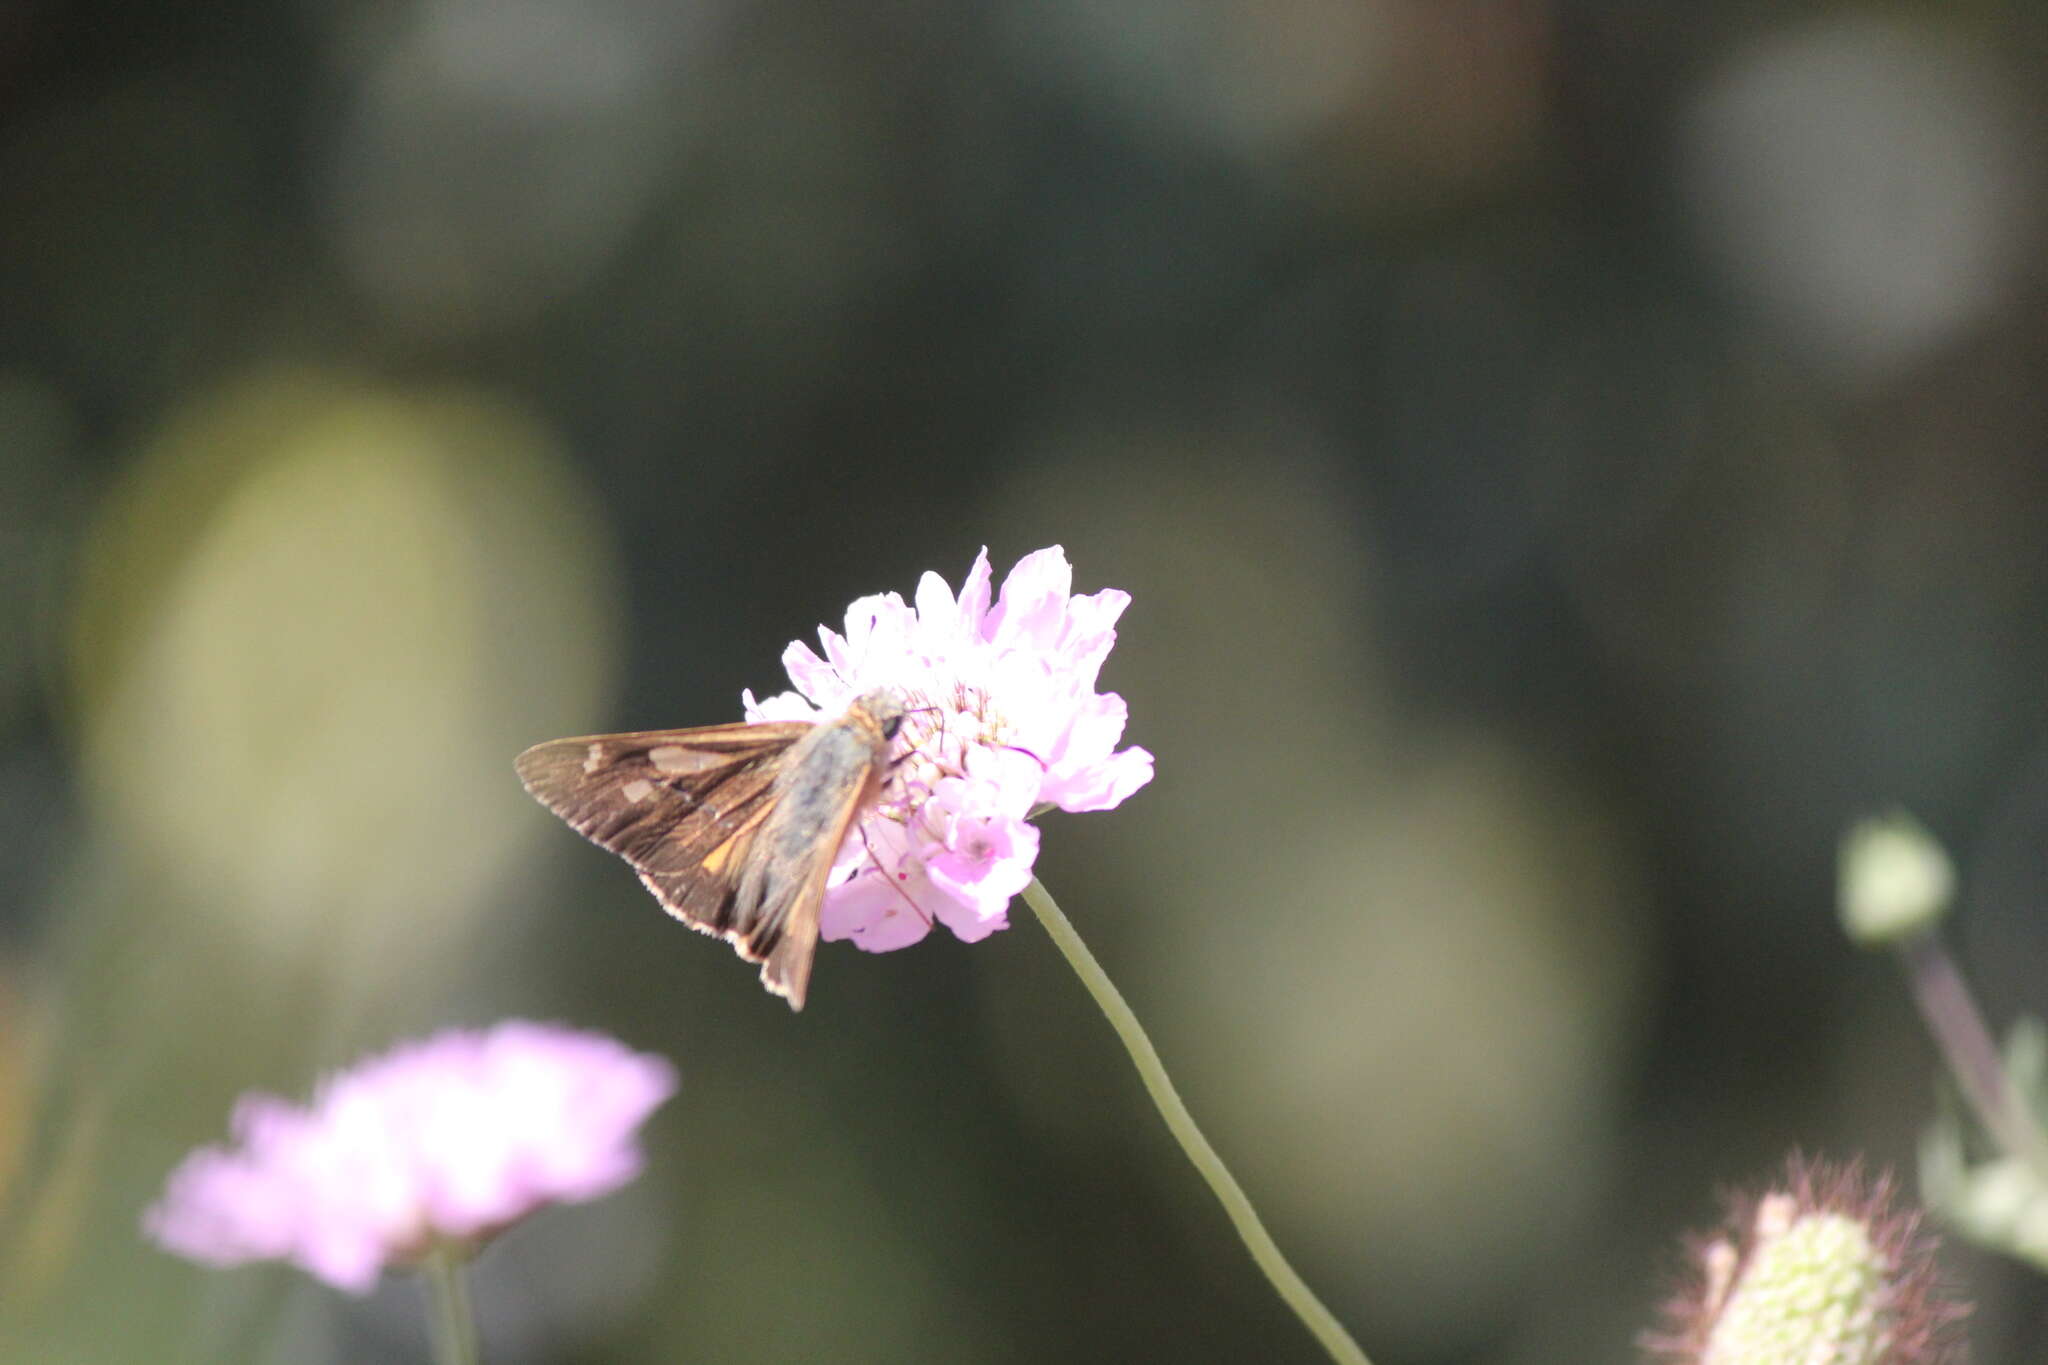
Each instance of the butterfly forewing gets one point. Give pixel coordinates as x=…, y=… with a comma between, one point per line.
x=681, y=806
x=734, y=828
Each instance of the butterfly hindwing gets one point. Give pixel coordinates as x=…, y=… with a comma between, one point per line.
x=790, y=902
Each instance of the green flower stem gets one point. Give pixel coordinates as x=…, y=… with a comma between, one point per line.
x=1318, y=1319
x=453, y=1321
x=1952, y=1016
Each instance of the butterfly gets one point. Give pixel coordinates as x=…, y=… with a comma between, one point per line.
x=734, y=828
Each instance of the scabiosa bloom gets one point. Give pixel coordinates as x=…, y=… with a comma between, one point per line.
x=1006, y=722
x=451, y=1139
x=1821, y=1271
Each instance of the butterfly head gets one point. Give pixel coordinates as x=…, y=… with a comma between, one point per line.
x=883, y=708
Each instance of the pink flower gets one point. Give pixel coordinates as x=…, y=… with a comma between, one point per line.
x=1007, y=722
x=453, y=1138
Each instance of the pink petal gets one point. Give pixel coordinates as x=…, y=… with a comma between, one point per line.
x=1103, y=785
x=1005, y=781
x=876, y=916
x=813, y=676
x=935, y=604
x=974, y=593
x=1032, y=607
x=978, y=878
x=1092, y=733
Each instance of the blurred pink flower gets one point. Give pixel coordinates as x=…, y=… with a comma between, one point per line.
x=1010, y=724
x=451, y=1138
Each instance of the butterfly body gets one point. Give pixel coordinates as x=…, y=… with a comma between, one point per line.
x=734, y=828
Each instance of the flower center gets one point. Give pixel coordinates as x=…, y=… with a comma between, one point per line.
x=938, y=731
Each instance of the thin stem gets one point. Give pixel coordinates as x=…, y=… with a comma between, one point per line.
x=1318, y=1319
x=453, y=1322
x=1965, y=1041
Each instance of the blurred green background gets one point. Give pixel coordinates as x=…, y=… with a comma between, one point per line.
x=1568, y=459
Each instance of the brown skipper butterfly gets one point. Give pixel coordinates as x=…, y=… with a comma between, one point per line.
x=734, y=828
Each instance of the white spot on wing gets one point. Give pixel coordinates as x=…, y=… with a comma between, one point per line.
x=674, y=758
x=639, y=789
x=594, y=760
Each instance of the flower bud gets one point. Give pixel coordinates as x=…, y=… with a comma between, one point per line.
x=1896, y=881
x=1820, y=1271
